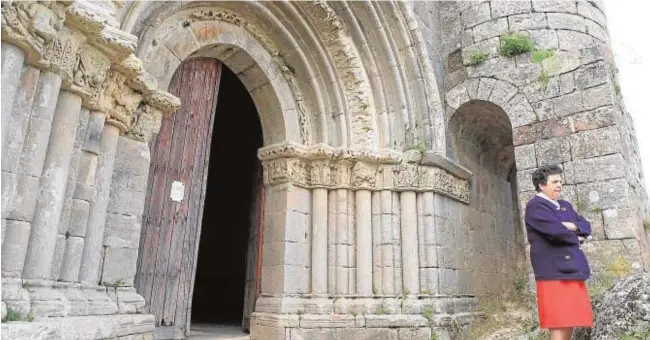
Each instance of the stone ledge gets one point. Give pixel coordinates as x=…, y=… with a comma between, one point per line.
x=84, y=327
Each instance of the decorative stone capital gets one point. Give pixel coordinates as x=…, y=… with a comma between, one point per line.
x=89, y=73
x=146, y=123
x=118, y=101
x=321, y=166
x=32, y=25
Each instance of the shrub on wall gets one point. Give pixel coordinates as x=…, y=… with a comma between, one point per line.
x=513, y=44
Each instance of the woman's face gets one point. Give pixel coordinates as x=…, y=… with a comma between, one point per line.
x=553, y=187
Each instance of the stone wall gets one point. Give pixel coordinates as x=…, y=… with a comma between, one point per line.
x=564, y=110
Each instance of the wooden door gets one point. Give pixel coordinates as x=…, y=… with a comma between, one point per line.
x=254, y=250
x=175, y=197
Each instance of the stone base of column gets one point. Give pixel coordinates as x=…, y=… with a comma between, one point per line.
x=352, y=317
x=121, y=327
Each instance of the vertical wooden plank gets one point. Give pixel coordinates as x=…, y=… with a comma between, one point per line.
x=253, y=263
x=169, y=207
x=155, y=199
x=198, y=188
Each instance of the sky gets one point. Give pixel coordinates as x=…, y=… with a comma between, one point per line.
x=627, y=21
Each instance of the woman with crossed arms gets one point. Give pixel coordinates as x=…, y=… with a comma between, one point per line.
x=554, y=231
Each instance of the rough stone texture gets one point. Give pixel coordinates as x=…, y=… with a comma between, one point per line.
x=623, y=310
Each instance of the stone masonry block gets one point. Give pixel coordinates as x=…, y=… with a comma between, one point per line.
x=414, y=333
x=135, y=157
x=621, y=223
x=78, y=218
x=559, y=106
x=598, y=96
x=599, y=168
x=122, y=231
x=573, y=41
x=591, y=75
x=527, y=21
x=119, y=265
x=594, y=119
x=475, y=15
x=544, y=39
x=604, y=195
x=594, y=143
x=553, y=151
x=519, y=111
x=505, y=8
x=23, y=202
x=490, y=29
x=93, y=135
x=560, y=6
x=15, y=247
x=127, y=194
x=566, y=21
x=597, y=31
x=587, y=10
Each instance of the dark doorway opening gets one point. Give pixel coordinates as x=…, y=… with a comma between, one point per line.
x=234, y=182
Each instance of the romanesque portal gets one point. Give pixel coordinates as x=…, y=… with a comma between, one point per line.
x=395, y=143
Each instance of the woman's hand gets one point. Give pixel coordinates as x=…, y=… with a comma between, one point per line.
x=570, y=225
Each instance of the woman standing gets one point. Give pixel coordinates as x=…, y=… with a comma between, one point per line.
x=560, y=266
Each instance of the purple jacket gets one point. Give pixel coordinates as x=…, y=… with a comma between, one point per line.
x=555, y=250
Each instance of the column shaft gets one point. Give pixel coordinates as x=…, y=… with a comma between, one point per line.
x=331, y=242
x=12, y=64
x=388, y=273
x=342, y=264
x=90, y=263
x=42, y=240
x=364, y=242
x=409, y=227
x=319, y=242
x=376, y=243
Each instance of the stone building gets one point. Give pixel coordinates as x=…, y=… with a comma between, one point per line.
x=312, y=170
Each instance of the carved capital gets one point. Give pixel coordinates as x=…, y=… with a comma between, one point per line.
x=60, y=55
x=324, y=167
x=118, y=101
x=145, y=123
x=31, y=25
x=90, y=70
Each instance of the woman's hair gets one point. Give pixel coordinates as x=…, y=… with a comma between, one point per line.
x=540, y=176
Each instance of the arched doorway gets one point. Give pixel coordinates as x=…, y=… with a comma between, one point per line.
x=199, y=255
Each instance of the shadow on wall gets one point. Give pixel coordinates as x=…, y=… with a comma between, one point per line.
x=480, y=138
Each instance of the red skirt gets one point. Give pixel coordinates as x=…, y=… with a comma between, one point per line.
x=563, y=304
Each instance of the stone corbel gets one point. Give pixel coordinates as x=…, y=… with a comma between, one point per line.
x=32, y=25
x=146, y=123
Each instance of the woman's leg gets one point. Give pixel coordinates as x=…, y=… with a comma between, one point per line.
x=561, y=333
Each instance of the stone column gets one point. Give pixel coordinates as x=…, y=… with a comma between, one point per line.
x=18, y=204
x=409, y=227
x=342, y=264
x=331, y=242
x=12, y=64
x=13, y=252
x=319, y=242
x=376, y=243
x=42, y=240
x=364, y=242
x=388, y=273
x=91, y=259
x=429, y=240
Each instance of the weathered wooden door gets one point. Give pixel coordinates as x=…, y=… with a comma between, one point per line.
x=254, y=250
x=175, y=198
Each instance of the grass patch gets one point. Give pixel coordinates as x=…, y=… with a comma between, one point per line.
x=427, y=312
x=642, y=334
x=15, y=316
x=604, y=280
x=380, y=310
x=544, y=78
x=513, y=44
x=477, y=58
x=540, y=55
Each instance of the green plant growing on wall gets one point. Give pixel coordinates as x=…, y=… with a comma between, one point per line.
x=477, y=58
x=646, y=222
x=546, y=58
x=538, y=56
x=15, y=316
x=513, y=44
x=427, y=312
x=381, y=310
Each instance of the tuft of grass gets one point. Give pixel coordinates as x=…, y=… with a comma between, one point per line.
x=604, y=280
x=15, y=316
x=426, y=292
x=420, y=145
x=434, y=335
x=540, y=55
x=427, y=312
x=513, y=44
x=477, y=58
x=544, y=78
x=380, y=310
x=617, y=87
x=646, y=222
x=642, y=334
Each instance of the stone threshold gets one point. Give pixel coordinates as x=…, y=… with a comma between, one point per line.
x=127, y=326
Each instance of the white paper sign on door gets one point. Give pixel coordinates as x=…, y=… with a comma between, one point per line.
x=178, y=191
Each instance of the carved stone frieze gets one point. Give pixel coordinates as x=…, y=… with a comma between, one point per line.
x=118, y=101
x=325, y=167
x=60, y=54
x=32, y=25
